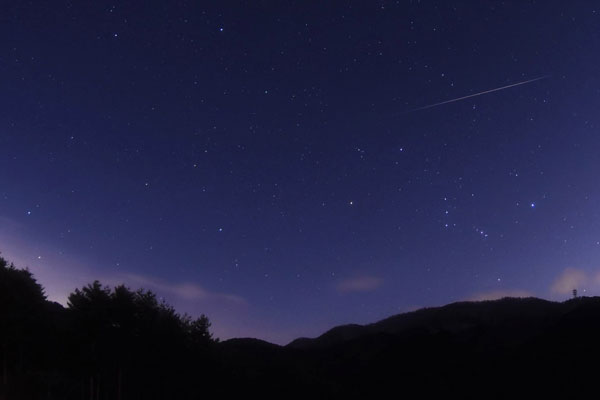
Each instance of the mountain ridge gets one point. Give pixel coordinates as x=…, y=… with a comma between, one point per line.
x=397, y=323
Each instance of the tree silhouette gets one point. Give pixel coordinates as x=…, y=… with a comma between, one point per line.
x=22, y=303
x=118, y=327
x=118, y=343
x=109, y=343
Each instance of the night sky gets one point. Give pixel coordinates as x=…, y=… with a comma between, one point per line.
x=275, y=164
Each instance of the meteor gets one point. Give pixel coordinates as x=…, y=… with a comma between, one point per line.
x=480, y=93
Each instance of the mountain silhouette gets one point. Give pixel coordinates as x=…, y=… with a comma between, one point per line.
x=115, y=343
x=507, y=348
x=530, y=314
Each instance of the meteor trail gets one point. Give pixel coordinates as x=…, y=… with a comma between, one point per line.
x=480, y=93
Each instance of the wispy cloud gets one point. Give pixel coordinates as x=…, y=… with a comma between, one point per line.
x=574, y=278
x=359, y=284
x=185, y=290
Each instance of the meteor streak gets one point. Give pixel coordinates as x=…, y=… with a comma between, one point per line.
x=480, y=93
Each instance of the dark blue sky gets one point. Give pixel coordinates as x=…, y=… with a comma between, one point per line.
x=260, y=161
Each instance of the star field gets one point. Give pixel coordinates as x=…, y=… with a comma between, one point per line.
x=268, y=164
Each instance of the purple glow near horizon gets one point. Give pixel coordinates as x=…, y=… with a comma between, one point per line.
x=261, y=164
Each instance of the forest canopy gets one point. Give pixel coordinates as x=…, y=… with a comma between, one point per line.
x=107, y=342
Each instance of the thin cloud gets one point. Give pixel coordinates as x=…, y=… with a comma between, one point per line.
x=571, y=278
x=186, y=291
x=359, y=284
x=61, y=273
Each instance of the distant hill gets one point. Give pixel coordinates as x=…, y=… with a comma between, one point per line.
x=530, y=313
x=508, y=348
x=120, y=344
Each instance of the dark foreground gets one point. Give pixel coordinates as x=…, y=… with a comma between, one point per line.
x=121, y=344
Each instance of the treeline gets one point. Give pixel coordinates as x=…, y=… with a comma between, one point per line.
x=119, y=344
x=108, y=343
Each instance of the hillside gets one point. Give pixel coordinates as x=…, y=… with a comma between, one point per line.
x=493, y=349
x=117, y=343
x=529, y=313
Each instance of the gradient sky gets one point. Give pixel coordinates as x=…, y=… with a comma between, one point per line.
x=261, y=161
